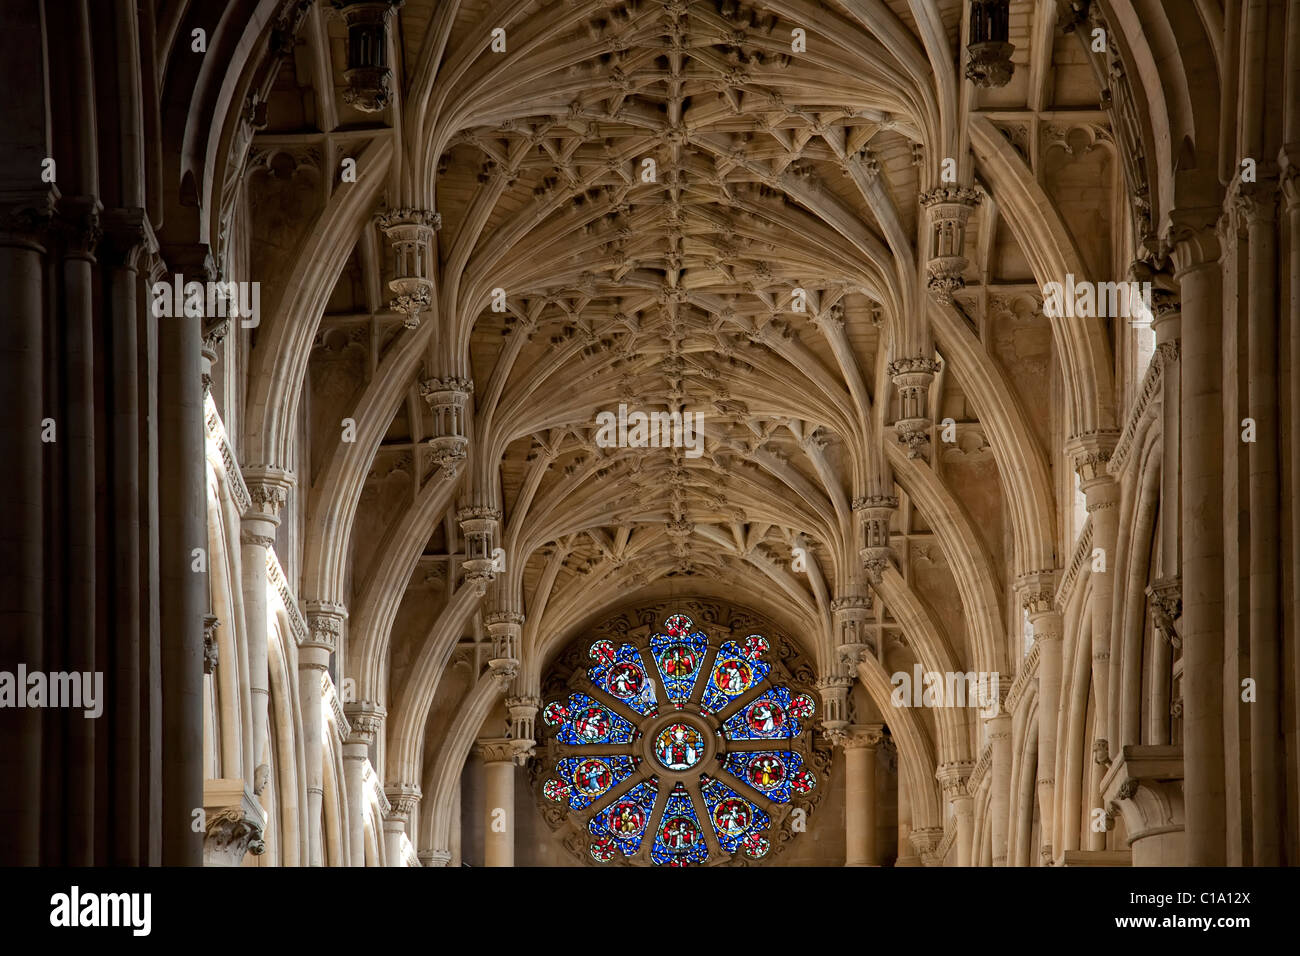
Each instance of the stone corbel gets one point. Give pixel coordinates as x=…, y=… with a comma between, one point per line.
x=1145, y=785
x=234, y=823
x=1166, y=596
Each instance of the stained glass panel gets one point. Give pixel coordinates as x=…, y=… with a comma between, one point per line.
x=680, y=839
x=769, y=717
x=587, y=722
x=620, y=673
x=733, y=816
x=734, y=673
x=623, y=823
x=679, y=658
x=589, y=778
x=773, y=773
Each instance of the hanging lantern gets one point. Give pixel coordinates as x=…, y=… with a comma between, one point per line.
x=989, y=52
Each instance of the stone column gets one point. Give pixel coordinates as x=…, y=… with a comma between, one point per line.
x=1091, y=453
x=1291, y=193
x=130, y=240
x=1037, y=592
x=1257, y=204
x=1196, y=257
x=324, y=629
x=22, y=507
x=367, y=721
x=403, y=800
x=78, y=225
x=183, y=597
x=952, y=778
x=499, y=801
x=999, y=733
x=268, y=488
x=860, y=743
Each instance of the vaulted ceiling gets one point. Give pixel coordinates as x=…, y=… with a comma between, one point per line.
x=701, y=206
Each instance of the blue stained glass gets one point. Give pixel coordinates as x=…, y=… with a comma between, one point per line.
x=734, y=672
x=591, y=777
x=624, y=822
x=679, y=658
x=680, y=839
x=620, y=673
x=773, y=773
x=587, y=722
x=734, y=818
x=771, y=717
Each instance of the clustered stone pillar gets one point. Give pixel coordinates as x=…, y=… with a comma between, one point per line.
x=447, y=398
x=324, y=631
x=952, y=778
x=268, y=489
x=1037, y=592
x=860, y=743
x=499, y=801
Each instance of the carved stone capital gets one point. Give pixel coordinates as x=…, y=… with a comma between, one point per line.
x=1036, y=591
x=496, y=750
x=926, y=840
x=77, y=223
x=862, y=737
x=409, y=216
x=324, y=624
x=1192, y=238
x=402, y=799
x=366, y=719
x=1091, y=453
x=952, y=778
x=268, y=489
x=26, y=218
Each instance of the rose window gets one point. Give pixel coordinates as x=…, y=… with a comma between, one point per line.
x=675, y=749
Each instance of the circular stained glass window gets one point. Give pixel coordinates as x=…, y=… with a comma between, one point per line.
x=679, y=748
